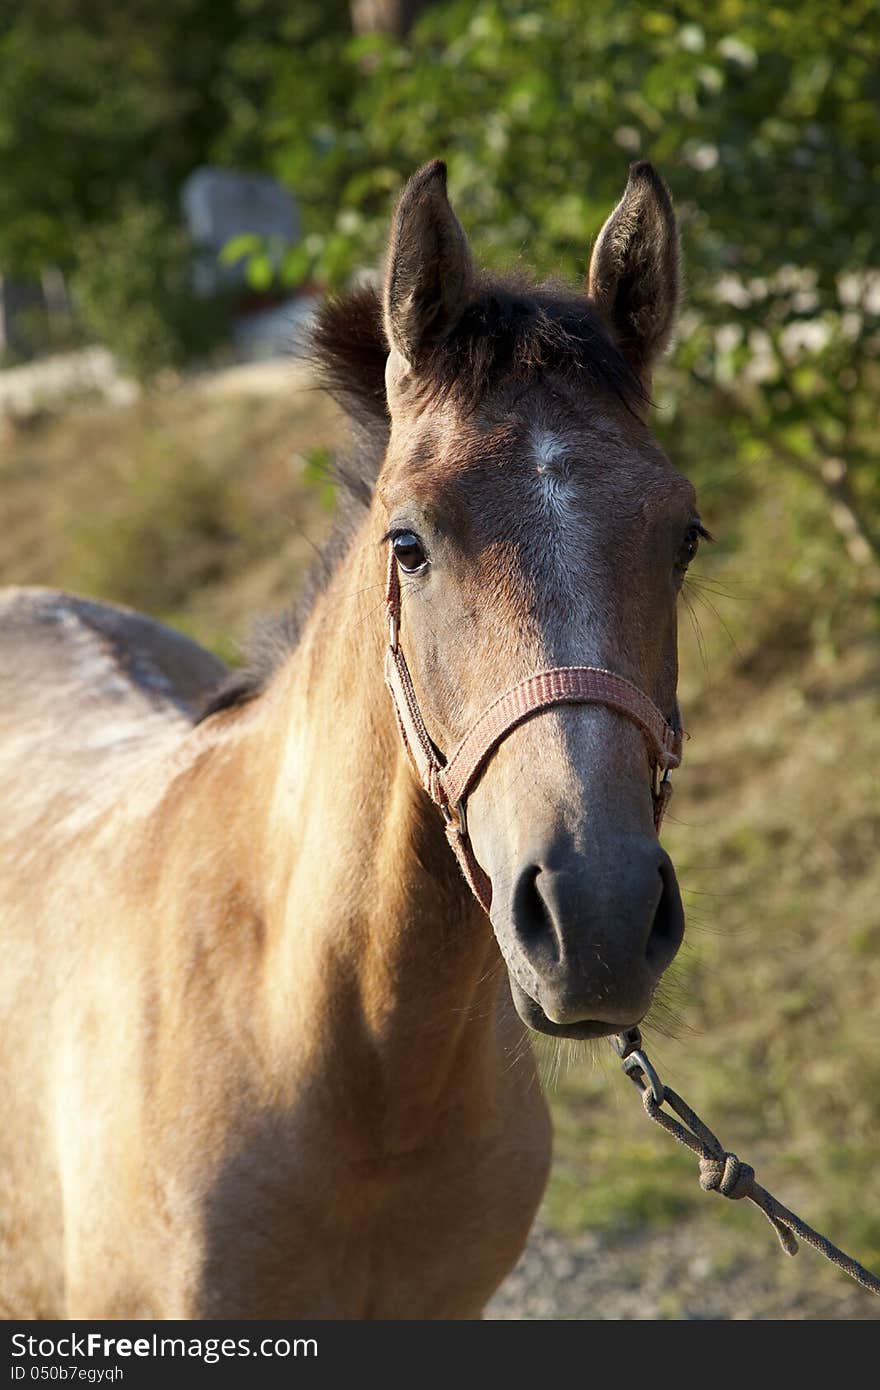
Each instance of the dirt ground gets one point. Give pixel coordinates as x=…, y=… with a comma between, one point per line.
x=669, y=1275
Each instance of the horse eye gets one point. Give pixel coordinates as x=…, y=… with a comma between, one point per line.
x=690, y=546
x=409, y=552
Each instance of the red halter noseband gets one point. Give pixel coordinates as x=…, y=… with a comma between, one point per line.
x=449, y=780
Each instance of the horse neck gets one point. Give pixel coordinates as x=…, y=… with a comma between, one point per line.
x=378, y=947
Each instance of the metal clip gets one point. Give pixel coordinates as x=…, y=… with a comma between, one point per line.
x=638, y=1062
x=626, y=1041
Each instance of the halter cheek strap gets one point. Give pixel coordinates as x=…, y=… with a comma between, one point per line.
x=449, y=780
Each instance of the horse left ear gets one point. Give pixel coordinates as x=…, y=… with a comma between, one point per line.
x=429, y=275
x=634, y=270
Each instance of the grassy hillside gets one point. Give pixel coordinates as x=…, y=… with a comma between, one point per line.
x=204, y=510
x=201, y=507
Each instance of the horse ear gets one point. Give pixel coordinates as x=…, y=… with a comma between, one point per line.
x=634, y=270
x=430, y=273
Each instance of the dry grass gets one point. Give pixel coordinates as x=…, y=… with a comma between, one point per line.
x=194, y=508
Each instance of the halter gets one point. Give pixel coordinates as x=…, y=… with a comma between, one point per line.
x=449, y=780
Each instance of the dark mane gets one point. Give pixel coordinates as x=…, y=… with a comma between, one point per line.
x=511, y=330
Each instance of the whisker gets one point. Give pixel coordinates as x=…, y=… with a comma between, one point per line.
x=733, y=589
x=707, y=603
x=698, y=631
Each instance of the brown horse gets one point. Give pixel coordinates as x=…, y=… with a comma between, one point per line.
x=260, y=1051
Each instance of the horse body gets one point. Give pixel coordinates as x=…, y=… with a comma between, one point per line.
x=180, y=1139
x=263, y=1053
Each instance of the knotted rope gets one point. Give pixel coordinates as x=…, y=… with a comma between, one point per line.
x=721, y=1171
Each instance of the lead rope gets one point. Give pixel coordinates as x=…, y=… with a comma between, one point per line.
x=721, y=1171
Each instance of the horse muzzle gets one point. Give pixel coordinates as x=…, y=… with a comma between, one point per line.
x=585, y=942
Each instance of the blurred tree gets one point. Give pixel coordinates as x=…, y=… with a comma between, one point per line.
x=385, y=16
x=103, y=105
x=764, y=120
x=133, y=286
x=104, y=110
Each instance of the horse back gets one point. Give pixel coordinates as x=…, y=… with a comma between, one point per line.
x=56, y=644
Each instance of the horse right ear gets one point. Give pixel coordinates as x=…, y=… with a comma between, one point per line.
x=634, y=271
x=429, y=277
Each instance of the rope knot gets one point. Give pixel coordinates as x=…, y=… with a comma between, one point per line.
x=722, y=1172
x=725, y=1174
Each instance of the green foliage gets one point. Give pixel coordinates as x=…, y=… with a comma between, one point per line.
x=764, y=120
x=133, y=290
x=104, y=111
x=104, y=104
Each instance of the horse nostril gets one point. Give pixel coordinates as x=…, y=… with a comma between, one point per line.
x=597, y=950
x=534, y=920
x=667, y=929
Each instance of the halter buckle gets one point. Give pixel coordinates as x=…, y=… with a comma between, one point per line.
x=455, y=817
x=661, y=785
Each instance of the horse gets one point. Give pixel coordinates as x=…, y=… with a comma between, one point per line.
x=265, y=1052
